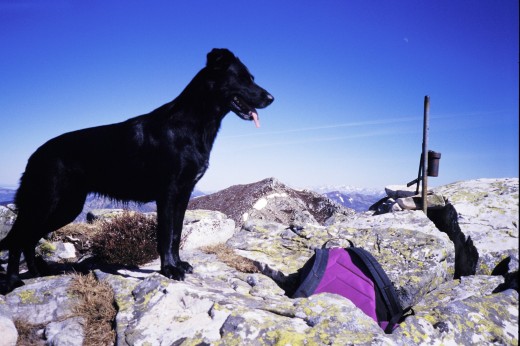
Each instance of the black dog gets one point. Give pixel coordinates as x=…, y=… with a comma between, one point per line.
x=158, y=156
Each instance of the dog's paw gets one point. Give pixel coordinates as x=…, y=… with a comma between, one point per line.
x=8, y=284
x=188, y=269
x=177, y=272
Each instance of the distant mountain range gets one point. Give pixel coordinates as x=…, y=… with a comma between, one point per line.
x=95, y=202
x=359, y=199
x=6, y=196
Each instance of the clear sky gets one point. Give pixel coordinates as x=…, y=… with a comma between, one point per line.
x=349, y=79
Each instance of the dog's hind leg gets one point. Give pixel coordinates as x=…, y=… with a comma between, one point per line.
x=35, y=220
x=13, y=272
x=13, y=243
x=67, y=209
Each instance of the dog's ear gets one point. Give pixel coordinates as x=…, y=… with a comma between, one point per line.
x=220, y=58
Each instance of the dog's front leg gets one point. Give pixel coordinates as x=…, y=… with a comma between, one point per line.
x=170, y=216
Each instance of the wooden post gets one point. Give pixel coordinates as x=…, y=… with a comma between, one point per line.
x=425, y=154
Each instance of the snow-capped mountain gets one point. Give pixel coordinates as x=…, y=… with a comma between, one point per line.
x=359, y=199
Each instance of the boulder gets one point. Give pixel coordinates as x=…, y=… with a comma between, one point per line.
x=42, y=300
x=488, y=213
x=7, y=328
x=400, y=191
x=415, y=202
x=68, y=332
x=204, y=228
x=56, y=251
x=465, y=311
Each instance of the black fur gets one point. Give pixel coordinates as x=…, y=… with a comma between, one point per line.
x=158, y=156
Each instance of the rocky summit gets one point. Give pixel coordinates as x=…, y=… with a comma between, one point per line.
x=456, y=266
x=269, y=199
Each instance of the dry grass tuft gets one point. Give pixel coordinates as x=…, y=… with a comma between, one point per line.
x=76, y=230
x=128, y=239
x=228, y=256
x=28, y=333
x=96, y=307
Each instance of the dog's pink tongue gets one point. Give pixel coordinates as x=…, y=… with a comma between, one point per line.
x=255, y=118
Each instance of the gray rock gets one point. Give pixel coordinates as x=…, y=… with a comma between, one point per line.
x=415, y=202
x=412, y=251
x=7, y=217
x=8, y=331
x=488, y=213
x=400, y=191
x=205, y=227
x=42, y=300
x=56, y=251
x=462, y=312
x=219, y=305
x=68, y=332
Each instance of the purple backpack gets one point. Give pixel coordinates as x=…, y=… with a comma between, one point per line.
x=354, y=274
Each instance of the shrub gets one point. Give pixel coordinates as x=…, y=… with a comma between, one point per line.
x=128, y=239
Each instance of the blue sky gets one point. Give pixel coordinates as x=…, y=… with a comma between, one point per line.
x=349, y=79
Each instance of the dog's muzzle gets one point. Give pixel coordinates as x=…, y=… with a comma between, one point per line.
x=247, y=112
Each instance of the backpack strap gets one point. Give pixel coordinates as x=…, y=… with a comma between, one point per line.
x=312, y=273
x=383, y=283
x=398, y=318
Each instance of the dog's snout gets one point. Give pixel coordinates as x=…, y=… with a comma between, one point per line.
x=269, y=98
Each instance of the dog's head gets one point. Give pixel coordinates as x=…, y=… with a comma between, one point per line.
x=239, y=90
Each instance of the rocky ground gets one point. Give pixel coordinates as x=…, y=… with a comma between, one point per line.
x=277, y=229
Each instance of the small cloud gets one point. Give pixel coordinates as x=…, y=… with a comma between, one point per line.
x=405, y=39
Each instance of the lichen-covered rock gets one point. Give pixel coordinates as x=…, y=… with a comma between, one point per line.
x=488, y=213
x=56, y=251
x=122, y=285
x=463, y=312
x=41, y=300
x=412, y=251
x=219, y=305
x=324, y=319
